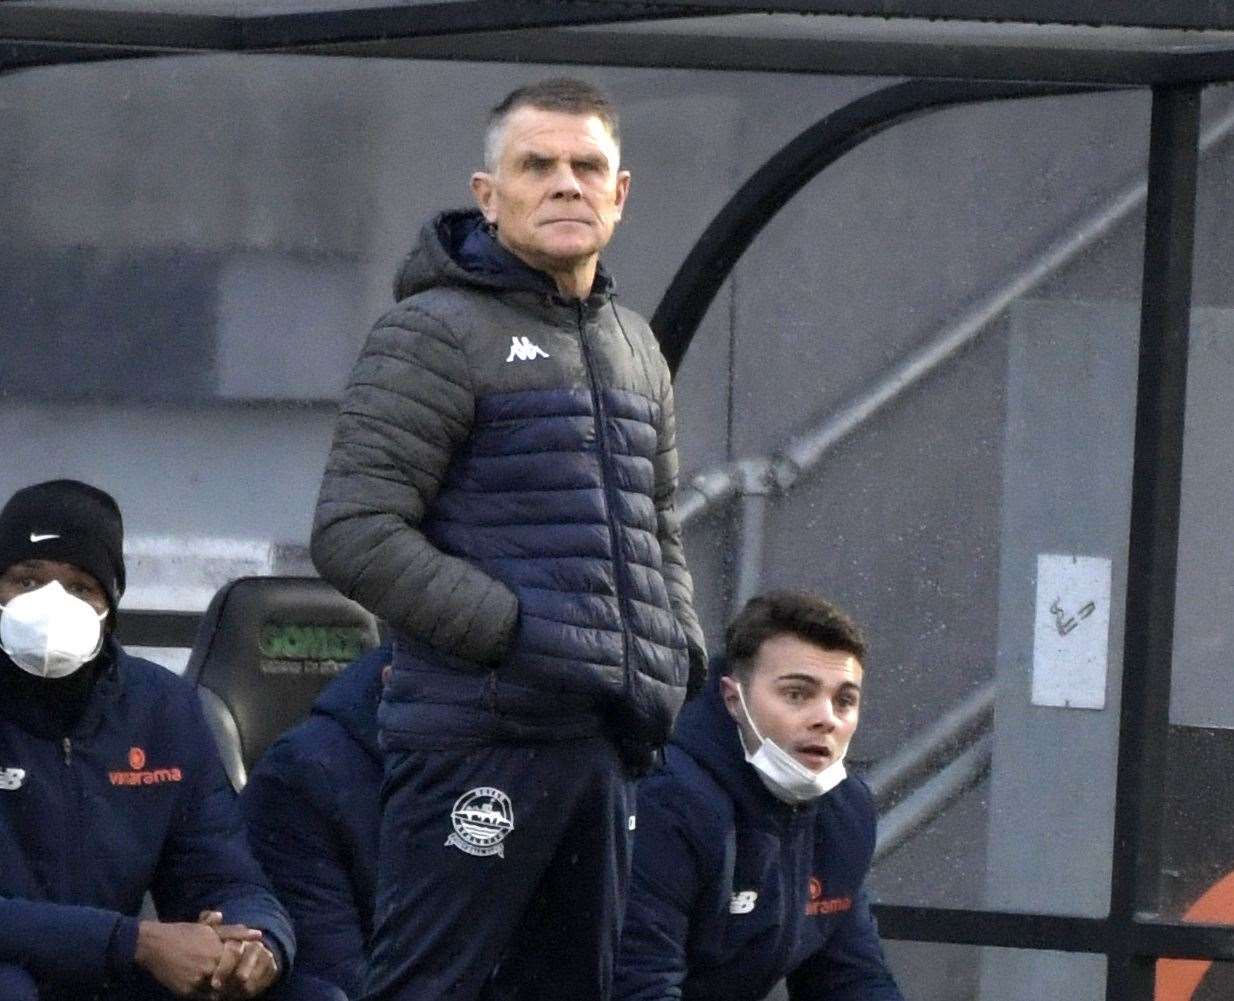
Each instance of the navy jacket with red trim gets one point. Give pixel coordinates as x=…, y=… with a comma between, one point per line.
x=131, y=798
x=733, y=889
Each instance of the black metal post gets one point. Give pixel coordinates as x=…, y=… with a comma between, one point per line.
x=1153, y=555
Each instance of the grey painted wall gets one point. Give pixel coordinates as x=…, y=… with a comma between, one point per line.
x=191, y=251
x=1067, y=491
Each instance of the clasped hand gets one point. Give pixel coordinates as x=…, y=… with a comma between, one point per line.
x=207, y=959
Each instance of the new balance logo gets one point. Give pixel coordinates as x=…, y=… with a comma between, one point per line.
x=522, y=349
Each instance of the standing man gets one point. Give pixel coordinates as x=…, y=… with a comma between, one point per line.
x=500, y=490
x=752, y=843
x=111, y=787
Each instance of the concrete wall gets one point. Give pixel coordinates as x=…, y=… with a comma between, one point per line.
x=192, y=249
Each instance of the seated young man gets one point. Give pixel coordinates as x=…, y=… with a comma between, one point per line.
x=752, y=844
x=312, y=805
x=110, y=786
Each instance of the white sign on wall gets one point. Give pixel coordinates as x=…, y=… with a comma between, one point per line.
x=1071, y=640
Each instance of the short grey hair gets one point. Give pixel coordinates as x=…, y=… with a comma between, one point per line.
x=563, y=94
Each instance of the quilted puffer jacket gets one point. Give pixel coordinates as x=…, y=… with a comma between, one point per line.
x=500, y=490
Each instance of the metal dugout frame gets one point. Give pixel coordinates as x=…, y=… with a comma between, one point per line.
x=1173, y=47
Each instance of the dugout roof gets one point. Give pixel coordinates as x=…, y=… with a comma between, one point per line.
x=1119, y=42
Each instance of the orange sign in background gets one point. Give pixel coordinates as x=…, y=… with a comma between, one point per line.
x=1177, y=979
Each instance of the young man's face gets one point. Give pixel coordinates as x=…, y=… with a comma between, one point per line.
x=30, y=575
x=805, y=698
x=556, y=192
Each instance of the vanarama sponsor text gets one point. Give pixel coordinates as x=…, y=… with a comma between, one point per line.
x=153, y=777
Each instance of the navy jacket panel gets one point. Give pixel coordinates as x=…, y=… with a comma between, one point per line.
x=733, y=890
x=16, y=984
x=132, y=799
x=501, y=489
x=312, y=807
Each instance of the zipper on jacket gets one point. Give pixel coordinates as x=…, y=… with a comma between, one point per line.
x=72, y=824
x=619, y=556
x=490, y=693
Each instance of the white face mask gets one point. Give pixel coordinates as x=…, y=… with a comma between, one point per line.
x=785, y=777
x=49, y=632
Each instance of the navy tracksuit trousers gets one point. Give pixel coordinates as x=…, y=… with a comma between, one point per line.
x=502, y=874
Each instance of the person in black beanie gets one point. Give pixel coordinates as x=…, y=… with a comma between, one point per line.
x=111, y=787
x=60, y=539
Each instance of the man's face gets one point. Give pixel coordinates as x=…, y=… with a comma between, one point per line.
x=557, y=192
x=30, y=575
x=803, y=697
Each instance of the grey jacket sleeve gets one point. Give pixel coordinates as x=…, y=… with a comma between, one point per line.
x=672, y=552
x=406, y=411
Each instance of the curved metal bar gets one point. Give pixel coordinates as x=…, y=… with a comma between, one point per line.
x=773, y=185
x=715, y=486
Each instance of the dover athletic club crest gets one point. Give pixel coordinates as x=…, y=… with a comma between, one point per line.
x=482, y=818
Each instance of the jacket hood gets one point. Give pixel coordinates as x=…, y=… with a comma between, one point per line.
x=458, y=248
x=351, y=699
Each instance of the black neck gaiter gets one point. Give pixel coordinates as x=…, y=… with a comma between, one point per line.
x=48, y=707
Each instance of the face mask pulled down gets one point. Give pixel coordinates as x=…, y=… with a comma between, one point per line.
x=50, y=633
x=785, y=777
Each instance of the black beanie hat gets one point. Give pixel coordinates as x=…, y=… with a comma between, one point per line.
x=69, y=521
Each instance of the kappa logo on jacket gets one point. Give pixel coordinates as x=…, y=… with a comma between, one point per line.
x=521, y=349
x=12, y=778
